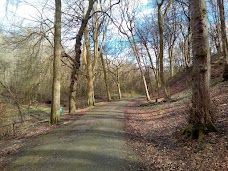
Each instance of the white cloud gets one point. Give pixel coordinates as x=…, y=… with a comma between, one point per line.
x=143, y=2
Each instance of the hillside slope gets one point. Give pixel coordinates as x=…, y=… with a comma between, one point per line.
x=153, y=128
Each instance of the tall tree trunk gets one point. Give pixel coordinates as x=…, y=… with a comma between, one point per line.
x=161, y=53
x=74, y=75
x=89, y=69
x=218, y=40
x=133, y=44
x=105, y=77
x=143, y=78
x=155, y=71
x=149, y=80
x=73, y=87
x=55, y=107
x=224, y=39
x=171, y=60
x=95, y=37
x=201, y=118
x=188, y=55
x=118, y=84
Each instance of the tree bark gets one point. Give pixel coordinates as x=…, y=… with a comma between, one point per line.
x=105, y=77
x=152, y=66
x=201, y=118
x=224, y=39
x=73, y=87
x=96, y=26
x=55, y=107
x=89, y=70
x=74, y=74
x=171, y=60
x=118, y=84
x=161, y=52
x=133, y=44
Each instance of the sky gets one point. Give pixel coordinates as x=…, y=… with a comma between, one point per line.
x=29, y=13
x=26, y=10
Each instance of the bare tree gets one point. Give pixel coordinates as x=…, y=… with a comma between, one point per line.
x=185, y=30
x=129, y=19
x=89, y=70
x=171, y=29
x=161, y=40
x=214, y=27
x=201, y=118
x=115, y=69
x=55, y=107
x=105, y=76
x=104, y=63
x=224, y=39
x=149, y=40
x=76, y=65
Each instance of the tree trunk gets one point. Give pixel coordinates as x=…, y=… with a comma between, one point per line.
x=188, y=55
x=55, y=107
x=224, y=39
x=133, y=44
x=218, y=40
x=73, y=87
x=201, y=118
x=95, y=37
x=105, y=77
x=144, y=79
x=118, y=84
x=119, y=91
x=161, y=53
x=171, y=66
x=89, y=69
x=74, y=75
x=153, y=68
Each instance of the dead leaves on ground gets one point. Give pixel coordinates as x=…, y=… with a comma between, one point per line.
x=153, y=134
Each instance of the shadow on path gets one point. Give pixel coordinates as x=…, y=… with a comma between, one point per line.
x=96, y=142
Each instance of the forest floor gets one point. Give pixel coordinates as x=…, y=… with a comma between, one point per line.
x=154, y=130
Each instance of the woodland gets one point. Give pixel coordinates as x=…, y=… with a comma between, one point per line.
x=169, y=58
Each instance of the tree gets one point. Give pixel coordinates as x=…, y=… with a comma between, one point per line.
x=114, y=68
x=89, y=70
x=161, y=40
x=224, y=39
x=128, y=17
x=91, y=60
x=105, y=76
x=149, y=40
x=55, y=107
x=109, y=98
x=185, y=30
x=201, y=118
x=171, y=36
x=76, y=65
x=214, y=27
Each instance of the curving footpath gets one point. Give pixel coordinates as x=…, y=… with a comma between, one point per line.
x=96, y=142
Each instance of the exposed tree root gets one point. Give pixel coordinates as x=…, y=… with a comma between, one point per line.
x=190, y=132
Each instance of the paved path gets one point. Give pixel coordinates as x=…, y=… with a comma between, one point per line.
x=96, y=142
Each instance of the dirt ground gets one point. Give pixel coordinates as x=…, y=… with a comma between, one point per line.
x=154, y=133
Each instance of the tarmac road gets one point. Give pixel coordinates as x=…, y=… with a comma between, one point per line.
x=95, y=142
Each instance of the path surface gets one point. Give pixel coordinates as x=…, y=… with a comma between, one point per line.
x=96, y=142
